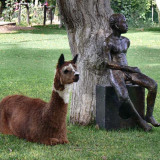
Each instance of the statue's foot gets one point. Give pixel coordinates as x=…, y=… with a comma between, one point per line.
x=152, y=121
x=143, y=124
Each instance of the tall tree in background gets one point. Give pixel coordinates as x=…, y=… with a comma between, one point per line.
x=87, y=26
x=36, y=2
x=0, y=8
x=158, y=9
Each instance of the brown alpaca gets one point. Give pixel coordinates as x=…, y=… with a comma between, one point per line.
x=38, y=121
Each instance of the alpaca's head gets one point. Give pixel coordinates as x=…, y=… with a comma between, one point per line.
x=67, y=70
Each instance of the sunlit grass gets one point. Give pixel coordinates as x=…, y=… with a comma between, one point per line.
x=27, y=65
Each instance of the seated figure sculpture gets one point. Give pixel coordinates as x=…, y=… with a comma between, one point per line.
x=115, y=49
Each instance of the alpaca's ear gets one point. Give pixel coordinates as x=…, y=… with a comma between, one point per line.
x=60, y=61
x=75, y=58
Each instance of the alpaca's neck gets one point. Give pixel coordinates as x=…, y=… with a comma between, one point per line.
x=65, y=93
x=60, y=96
x=62, y=90
x=56, y=109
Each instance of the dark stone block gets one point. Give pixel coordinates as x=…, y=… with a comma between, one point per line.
x=108, y=107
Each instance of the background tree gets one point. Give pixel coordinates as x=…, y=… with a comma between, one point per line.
x=0, y=8
x=10, y=6
x=52, y=2
x=36, y=2
x=158, y=9
x=87, y=26
x=139, y=13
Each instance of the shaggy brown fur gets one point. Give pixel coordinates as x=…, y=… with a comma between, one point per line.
x=35, y=120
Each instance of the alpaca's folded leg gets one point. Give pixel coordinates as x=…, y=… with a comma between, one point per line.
x=50, y=141
x=54, y=141
x=63, y=141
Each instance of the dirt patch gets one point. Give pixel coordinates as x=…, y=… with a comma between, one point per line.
x=11, y=29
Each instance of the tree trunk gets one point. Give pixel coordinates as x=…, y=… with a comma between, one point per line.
x=36, y=3
x=19, y=14
x=0, y=8
x=87, y=26
x=45, y=15
x=159, y=17
x=158, y=9
x=61, y=23
x=28, y=21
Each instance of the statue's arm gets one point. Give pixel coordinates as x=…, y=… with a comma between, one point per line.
x=111, y=65
x=122, y=67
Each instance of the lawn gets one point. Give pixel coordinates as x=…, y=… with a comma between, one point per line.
x=27, y=66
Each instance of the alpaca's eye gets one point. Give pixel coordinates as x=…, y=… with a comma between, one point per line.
x=66, y=71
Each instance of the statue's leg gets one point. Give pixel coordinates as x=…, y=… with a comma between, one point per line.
x=151, y=85
x=118, y=82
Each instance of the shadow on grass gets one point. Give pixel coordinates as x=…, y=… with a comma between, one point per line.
x=15, y=51
x=137, y=30
x=84, y=141
x=155, y=29
x=138, y=55
x=49, y=29
x=54, y=29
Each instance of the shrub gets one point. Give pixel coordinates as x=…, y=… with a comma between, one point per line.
x=137, y=12
x=9, y=10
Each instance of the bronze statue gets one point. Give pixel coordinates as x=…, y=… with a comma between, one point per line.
x=115, y=48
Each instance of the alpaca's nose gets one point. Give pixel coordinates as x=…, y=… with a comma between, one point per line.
x=76, y=74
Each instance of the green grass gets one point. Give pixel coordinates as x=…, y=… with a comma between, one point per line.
x=27, y=64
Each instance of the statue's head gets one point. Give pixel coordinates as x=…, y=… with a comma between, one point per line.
x=118, y=22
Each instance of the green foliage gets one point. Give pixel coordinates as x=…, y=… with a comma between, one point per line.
x=52, y=2
x=0, y=8
x=57, y=10
x=9, y=10
x=130, y=8
x=135, y=11
x=27, y=62
x=35, y=14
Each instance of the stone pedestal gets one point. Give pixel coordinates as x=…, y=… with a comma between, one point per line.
x=108, y=107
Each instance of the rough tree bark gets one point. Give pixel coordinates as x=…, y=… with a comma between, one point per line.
x=87, y=26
